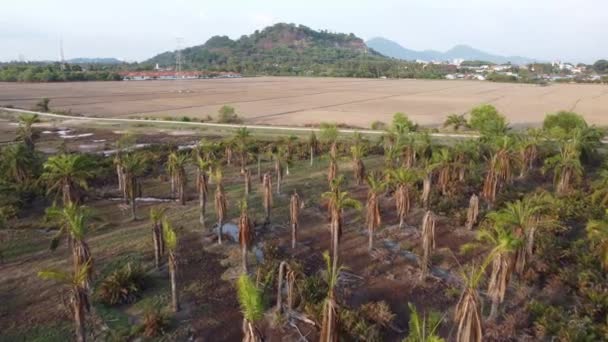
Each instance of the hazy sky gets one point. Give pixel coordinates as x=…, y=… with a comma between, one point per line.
x=573, y=30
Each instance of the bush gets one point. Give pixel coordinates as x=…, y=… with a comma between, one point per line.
x=43, y=105
x=378, y=125
x=487, y=120
x=402, y=124
x=227, y=114
x=155, y=322
x=563, y=123
x=122, y=286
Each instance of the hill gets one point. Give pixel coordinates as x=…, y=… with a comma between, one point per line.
x=279, y=49
x=95, y=60
x=392, y=49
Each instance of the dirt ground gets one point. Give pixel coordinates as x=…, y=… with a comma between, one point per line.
x=301, y=101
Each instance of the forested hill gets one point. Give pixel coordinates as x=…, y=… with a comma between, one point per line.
x=279, y=49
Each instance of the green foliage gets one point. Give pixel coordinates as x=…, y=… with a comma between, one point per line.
x=423, y=329
x=169, y=235
x=401, y=124
x=563, y=123
x=32, y=72
x=250, y=299
x=378, y=125
x=487, y=120
x=329, y=132
x=456, y=121
x=155, y=323
x=601, y=66
x=227, y=114
x=122, y=286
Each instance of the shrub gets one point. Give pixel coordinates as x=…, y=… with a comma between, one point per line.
x=186, y=119
x=227, y=114
x=43, y=105
x=487, y=120
x=155, y=322
x=402, y=124
x=378, y=125
x=122, y=286
x=563, y=123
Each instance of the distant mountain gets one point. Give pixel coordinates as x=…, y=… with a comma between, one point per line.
x=392, y=49
x=83, y=60
x=278, y=49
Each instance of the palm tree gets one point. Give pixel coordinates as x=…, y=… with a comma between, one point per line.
x=441, y=164
x=176, y=165
x=504, y=244
x=313, y=143
x=78, y=294
x=466, y=153
x=428, y=241
x=472, y=212
x=408, y=151
x=279, y=162
x=267, y=185
x=468, y=310
x=294, y=212
x=358, y=152
x=245, y=233
x=123, y=144
x=25, y=132
x=252, y=307
x=332, y=170
x=241, y=138
x=338, y=201
x=220, y=203
x=202, y=185
x=500, y=169
x=372, y=216
x=425, y=329
x=72, y=220
x=133, y=166
x=456, y=121
x=247, y=180
x=566, y=166
x=157, y=215
x=597, y=234
x=404, y=179
x=67, y=173
x=170, y=238
x=329, y=325
x=425, y=196
x=18, y=164
x=528, y=150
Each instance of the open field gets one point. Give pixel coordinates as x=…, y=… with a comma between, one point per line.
x=301, y=101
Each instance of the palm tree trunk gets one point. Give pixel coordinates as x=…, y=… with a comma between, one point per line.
x=244, y=257
x=294, y=232
x=370, y=245
x=335, y=242
x=312, y=156
x=133, y=212
x=157, y=248
x=494, y=310
x=202, y=204
x=260, y=167
x=174, y=294
x=79, y=319
x=220, y=225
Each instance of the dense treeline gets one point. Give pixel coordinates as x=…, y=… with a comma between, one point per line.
x=57, y=72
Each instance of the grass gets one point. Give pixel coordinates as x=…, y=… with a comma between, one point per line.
x=57, y=332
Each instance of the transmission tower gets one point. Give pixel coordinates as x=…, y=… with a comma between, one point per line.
x=61, y=55
x=178, y=57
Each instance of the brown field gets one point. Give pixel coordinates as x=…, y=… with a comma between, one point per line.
x=300, y=101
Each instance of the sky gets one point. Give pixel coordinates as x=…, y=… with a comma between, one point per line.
x=133, y=30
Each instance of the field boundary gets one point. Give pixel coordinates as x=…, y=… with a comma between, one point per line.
x=219, y=125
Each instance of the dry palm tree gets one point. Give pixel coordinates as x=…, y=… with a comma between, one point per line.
x=404, y=180
x=329, y=325
x=428, y=241
x=338, y=201
x=78, y=294
x=202, y=185
x=279, y=163
x=220, y=203
x=67, y=173
x=441, y=164
x=245, y=233
x=170, y=238
x=241, y=139
x=72, y=220
x=425, y=197
x=295, y=204
x=500, y=169
x=597, y=234
x=313, y=143
x=157, y=216
x=228, y=149
x=133, y=166
x=468, y=310
x=252, y=307
x=408, y=152
x=123, y=144
x=358, y=151
x=26, y=132
x=528, y=150
x=176, y=164
x=267, y=190
x=472, y=212
x=504, y=244
x=372, y=214
x=287, y=275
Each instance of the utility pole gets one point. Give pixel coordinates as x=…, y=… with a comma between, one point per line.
x=61, y=55
x=178, y=62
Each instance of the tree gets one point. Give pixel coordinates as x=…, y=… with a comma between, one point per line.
x=425, y=329
x=500, y=168
x=372, y=215
x=563, y=123
x=487, y=120
x=18, y=164
x=338, y=201
x=295, y=204
x=566, y=166
x=358, y=152
x=442, y=165
x=247, y=179
x=170, y=238
x=133, y=166
x=332, y=170
x=404, y=179
x=313, y=144
x=227, y=115
x=67, y=173
x=456, y=121
x=220, y=203
x=25, y=132
x=597, y=234
x=176, y=166
x=528, y=150
x=472, y=211
x=78, y=294
x=267, y=186
x=468, y=310
x=202, y=185
x=428, y=241
x=601, y=66
x=329, y=325
x=252, y=307
x=279, y=162
x=245, y=233
x=157, y=216
x=241, y=138
x=401, y=124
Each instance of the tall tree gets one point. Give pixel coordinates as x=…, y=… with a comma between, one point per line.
x=313, y=144
x=332, y=171
x=428, y=242
x=26, y=132
x=157, y=216
x=202, y=185
x=245, y=233
x=67, y=173
x=295, y=204
x=241, y=140
x=441, y=164
x=267, y=190
x=500, y=168
x=221, y=203
x=133, y=166
x=472, y=211
x=566, y=166
x=404, y=179
x=358, y=152
x=19, y=165
x=170, y=238
x=329, y=325
x=372, y=216
x=468, y=310
x=252, y=307
x=176, y=165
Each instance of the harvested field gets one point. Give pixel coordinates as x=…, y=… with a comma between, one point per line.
x=301, y=101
